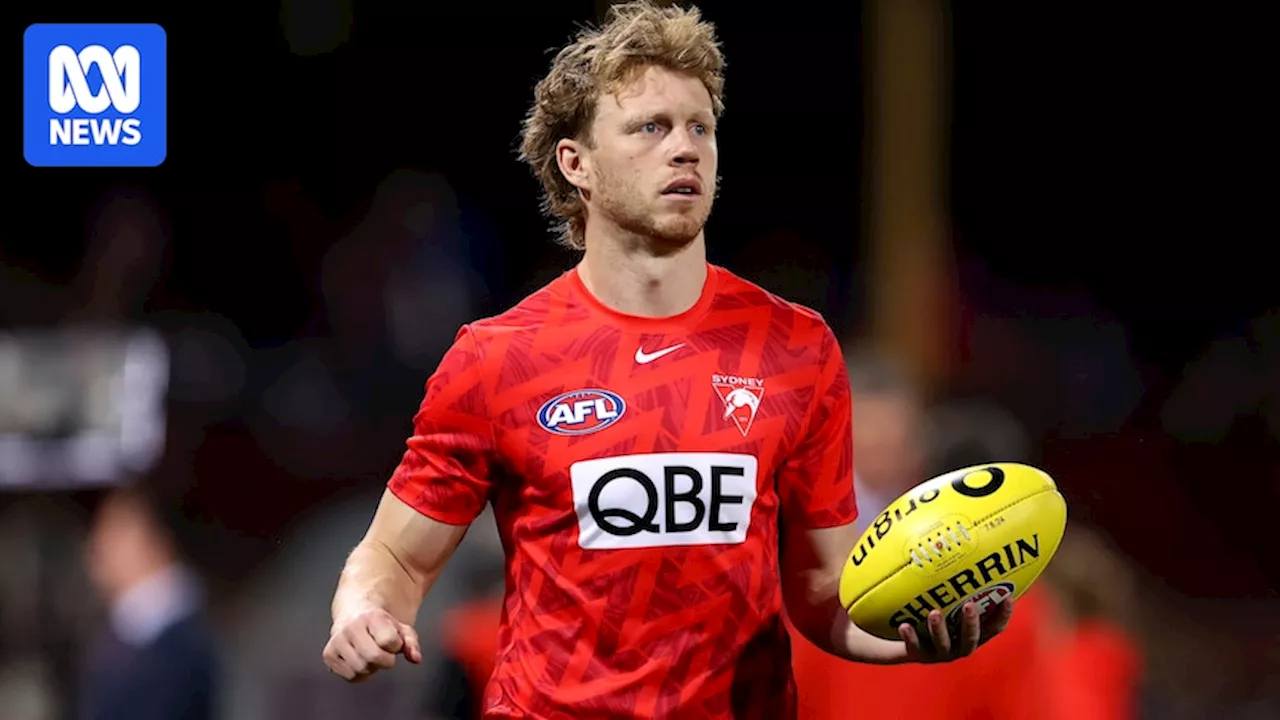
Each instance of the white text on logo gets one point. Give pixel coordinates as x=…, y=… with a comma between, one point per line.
x=69, y=88
x=741, y=397
x=664, y=499
x=577, y=413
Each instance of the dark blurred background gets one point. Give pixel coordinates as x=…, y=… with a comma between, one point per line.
x=1042, y=213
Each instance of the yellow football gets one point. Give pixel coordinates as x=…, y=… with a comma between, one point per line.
x=980, y=534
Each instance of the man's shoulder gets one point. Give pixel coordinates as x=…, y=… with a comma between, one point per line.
x=530, y=314
x=739, y=291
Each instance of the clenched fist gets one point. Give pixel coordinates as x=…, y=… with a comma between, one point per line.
x=369, y=642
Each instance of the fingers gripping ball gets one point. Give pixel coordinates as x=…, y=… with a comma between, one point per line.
x=980, y=534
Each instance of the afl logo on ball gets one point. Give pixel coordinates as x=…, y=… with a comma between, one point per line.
x=986, y=599
x=581, y=412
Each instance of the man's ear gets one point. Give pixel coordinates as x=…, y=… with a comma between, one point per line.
x=575, y=163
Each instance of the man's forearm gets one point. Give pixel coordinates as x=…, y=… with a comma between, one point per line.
x=374, y=578
x=853, y=643
x=827, y=625
x=812, y=562
x=815, y=611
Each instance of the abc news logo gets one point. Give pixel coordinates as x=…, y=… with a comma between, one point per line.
x=69, y=89
x=664, y=499
x=94, y=95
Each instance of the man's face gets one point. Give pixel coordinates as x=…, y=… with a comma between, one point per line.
x=652, y=168
x=887, y=449
x=118, y=541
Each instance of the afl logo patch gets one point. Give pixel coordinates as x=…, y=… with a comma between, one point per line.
x=986, y=599
x=581, y=412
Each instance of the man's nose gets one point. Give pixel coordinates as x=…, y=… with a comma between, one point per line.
x=686, y=150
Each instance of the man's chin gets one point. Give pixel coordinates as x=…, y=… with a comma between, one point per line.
x=669, y=232
x=678, y=231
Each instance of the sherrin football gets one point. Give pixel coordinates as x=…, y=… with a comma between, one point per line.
x=981, y=534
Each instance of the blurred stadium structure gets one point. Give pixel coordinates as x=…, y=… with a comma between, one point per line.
x=248, y=328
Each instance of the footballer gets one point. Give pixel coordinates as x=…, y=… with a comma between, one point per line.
x=666, y=447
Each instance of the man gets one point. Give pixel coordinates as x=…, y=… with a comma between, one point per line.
x=157, y=661
x=656, y=435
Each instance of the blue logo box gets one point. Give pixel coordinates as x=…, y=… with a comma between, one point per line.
x=94, y=95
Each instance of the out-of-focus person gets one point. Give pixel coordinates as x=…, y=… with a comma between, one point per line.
x=468, y=628
x=1096, y=662
x=889, y=449
x=891, y=455
x=1089, y=663
x=469, y=650
x=156, y=658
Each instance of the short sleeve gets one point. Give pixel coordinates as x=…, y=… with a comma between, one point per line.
x=446, y=470
x=816, y=481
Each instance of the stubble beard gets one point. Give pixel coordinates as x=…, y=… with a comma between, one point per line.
x=626, y=207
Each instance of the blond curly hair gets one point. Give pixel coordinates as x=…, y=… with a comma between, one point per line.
x=600, y=61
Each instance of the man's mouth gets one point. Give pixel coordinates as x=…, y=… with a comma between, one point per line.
x=684, y=186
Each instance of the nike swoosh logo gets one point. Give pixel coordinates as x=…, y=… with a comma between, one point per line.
x=643, y=358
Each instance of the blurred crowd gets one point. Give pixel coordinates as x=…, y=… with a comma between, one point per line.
x=211, y=579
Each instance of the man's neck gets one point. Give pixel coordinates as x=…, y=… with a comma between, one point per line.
x=632, y=279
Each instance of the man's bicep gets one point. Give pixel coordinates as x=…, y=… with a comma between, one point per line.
x=419, y=543
x=832, y=545
x=812, y=559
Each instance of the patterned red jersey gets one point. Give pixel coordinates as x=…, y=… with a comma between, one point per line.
x=638, y=470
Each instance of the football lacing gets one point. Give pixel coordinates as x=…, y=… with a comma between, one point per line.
x=936, y=547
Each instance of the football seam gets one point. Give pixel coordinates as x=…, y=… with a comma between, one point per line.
x=977, y=522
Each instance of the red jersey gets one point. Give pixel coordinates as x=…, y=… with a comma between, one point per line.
x=638, y=470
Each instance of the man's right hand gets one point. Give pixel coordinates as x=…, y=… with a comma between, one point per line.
x=369, y=642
